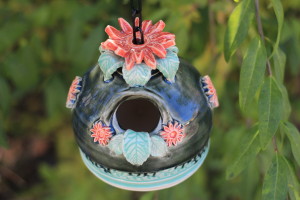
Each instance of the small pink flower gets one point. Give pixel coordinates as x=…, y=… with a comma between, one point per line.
x=101, y=133
x=155, y=42
x=73, y=92
x=172, y=133
x=211, y=93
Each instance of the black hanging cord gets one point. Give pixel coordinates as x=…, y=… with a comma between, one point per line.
x=136, y=8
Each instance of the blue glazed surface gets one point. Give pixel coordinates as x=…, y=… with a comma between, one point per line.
x=183, y=101
x=146, y=181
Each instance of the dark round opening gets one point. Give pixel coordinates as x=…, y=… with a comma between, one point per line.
x=139, y=115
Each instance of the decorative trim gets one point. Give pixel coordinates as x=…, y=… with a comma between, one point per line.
x=101, y=133
x=74, y=90
x=172, y=133
x=210, y=92
x=146, y=181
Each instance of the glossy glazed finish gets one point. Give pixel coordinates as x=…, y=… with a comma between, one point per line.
x=183, y=101
x=155, y=42
x=147, y=181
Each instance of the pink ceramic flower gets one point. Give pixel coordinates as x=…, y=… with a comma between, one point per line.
x=101, y=133
x=172, y=133
x=211, y=93
x=73, y=91
x=155, y=42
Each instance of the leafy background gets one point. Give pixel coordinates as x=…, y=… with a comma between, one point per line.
x=44, y=44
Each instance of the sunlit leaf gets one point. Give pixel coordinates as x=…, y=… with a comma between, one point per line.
x=285, y=102
x=270, y=110
x=248, y=149
x=280, y=17
x=294, y=136
x=275, y=182
x=238, y=25
x=279, y=59
x=293, y=183
x=252, y=72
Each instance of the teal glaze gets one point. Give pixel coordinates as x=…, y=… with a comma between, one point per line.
x=157, y=162
x=147, y=181
x=136, y=147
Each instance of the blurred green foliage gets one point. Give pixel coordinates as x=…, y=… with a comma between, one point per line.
x=44, y=44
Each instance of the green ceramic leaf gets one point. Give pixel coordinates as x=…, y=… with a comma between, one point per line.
x=238, y=26
x=275, y=185
x=168, y=66
x=136, y=147
x=116, y=144
x=139, y=75
x=248, y=149
x=158, y=146
x=174, y=49
x=294, y=136
x=252, y=72
x=109, y=63
x=280, y=17
x=270, y=110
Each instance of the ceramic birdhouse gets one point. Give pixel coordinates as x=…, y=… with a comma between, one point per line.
x=142, y=116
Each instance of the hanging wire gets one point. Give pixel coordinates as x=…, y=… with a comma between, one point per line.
x=136, y=9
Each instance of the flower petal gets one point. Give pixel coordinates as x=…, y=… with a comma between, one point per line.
x=139, y=56
x=168, y=43
x=146, y=25
x=109, y=44
x=121, y=52
x=158, y=49
x=167, y=129
x=150, y=59
x=158, y=27
x=113, y=33
x=129, y=61
x=125, y=26
x=164, y=36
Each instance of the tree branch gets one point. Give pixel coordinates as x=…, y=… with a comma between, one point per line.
x=268, y=65
x=261, y=33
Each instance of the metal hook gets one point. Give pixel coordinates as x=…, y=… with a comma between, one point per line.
x=137, y=12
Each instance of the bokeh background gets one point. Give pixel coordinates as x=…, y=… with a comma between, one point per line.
x=45, y=44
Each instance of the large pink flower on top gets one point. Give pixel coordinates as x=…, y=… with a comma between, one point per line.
x=155, y=42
